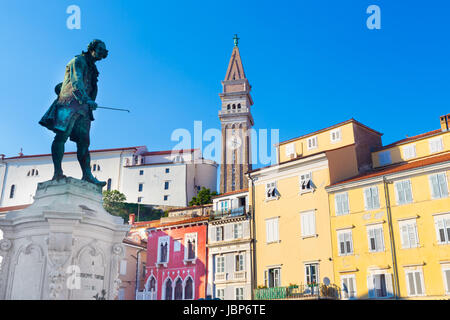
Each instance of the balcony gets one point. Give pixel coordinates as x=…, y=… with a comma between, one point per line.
x=300, y=292
x=239, y=275
x=146, y=295
x=236, y=212
x=220, y=277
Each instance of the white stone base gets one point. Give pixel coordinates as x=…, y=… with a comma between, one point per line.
x=64, y=246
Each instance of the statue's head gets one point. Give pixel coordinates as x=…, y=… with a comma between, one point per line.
x=97, y=49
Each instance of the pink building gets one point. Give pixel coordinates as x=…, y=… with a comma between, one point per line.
x=176, y=260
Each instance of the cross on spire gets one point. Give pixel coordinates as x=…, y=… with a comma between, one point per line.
x=236, y=40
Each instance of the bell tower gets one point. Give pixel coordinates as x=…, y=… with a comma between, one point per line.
x=236, y=119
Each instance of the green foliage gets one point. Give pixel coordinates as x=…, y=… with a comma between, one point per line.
x=114, y=203
x=203, y=197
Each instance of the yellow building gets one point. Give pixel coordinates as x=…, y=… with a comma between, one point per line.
x=390, y=227
x=291, y=225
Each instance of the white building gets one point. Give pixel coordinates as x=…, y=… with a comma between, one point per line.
x=163, y=178
x=229, y=247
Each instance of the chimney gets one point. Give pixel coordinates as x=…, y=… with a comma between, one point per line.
x=445, y=122
x=131, y=218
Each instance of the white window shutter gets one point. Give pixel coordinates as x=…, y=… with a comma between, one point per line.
x=408, y=191
x=367, y=202
x=341, y=238
x=404, y=236
x=434, y=186
x=376, y=198
x=389, y=286
x=442, y=179
x=370, y=286
x=276, y=235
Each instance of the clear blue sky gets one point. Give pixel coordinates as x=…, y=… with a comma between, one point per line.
x=311, y=64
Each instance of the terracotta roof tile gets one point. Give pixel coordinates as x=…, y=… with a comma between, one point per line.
x=230, y=193
x=398, y=168
x=186, y=221
x=13, y=208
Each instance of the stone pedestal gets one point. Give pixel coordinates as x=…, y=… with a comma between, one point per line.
x=63, y=246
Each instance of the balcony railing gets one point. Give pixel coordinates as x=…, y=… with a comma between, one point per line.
x=318, y=291
x=236, y=212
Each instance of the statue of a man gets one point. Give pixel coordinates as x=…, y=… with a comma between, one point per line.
x=70, y=115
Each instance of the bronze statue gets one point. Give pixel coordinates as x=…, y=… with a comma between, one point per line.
x=70, y=115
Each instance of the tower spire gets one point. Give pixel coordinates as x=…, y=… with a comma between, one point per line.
x=236, y=120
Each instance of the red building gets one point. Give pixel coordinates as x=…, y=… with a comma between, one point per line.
x=176, y=260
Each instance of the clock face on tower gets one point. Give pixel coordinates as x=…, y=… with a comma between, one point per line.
x=234, y=143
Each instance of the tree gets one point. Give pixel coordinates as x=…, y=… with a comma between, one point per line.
x=204, y=196
x=114, y=202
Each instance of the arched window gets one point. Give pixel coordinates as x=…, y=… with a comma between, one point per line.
x=28, y=174
x=234, y=106
x=239, y=105
x=228, y=107
x=37, y=172
x=12, y=191
x=108, y=187
x=98, y=167
x=188, y=292
x=168, y=287
x=179, y=289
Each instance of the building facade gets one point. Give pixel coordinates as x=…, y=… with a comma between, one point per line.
x=291, y=213
x=229, y=247
x=132, y=269
x=177, y=260
x=391, y=226
x=163, y=178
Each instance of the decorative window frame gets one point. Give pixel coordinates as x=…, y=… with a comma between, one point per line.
x=161, y=240
x=408, y=222
x=408, y=270
x=187, y=237
x=383, y=244
x=348, y=277
x=345, y=231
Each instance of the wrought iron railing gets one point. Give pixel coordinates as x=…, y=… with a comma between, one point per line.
x=236, y=212
x=317, y=291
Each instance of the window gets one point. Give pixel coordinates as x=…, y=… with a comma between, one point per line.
x=446, y=277
x=219, y=233
x=408, y=231
x=272, y=230
x=220, y=264
x=224, y=206
x=167, y=170
x=168, y=289
x=176, y=245
x=371, y=199
x=306, y=183
x=166, y=197
x=290, y=150
x=139, y=199
x=312, y=143
x=237, y=230
x=345, y=242
x=272, y=277
x=380, y=285
x=348, y=284
x=436, y=145
x=190, y=246
x=335, y=135
x=376, y=239
x=32, y=172
x=341, y=200
x=141, y=172
x=403, y=191
x=384, y=158
x=179, y=289
x=12, y=191
x=311, y=273
x=239, y=262
x=220, y=293
x=308, y=223
x=409, y=151
x=163, y=249
x=438, y=183
x=239, y=293
x=108, y=187
x=123, y=267
x=189, y=289
x=121, y=294
x=271, y=190
x=414, y=280
x=442, y=223
x=166, y=185
x=141, y=187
